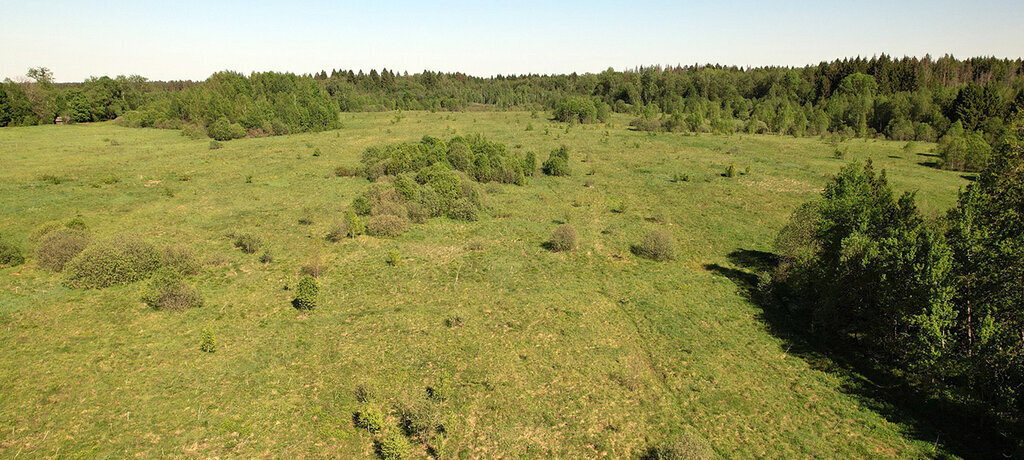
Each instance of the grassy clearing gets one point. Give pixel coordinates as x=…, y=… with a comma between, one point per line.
x=569, y=354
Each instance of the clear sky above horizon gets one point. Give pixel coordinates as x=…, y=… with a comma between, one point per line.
x=191, y=39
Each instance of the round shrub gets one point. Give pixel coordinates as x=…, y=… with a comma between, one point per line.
x=563, y=238
x=10, y=253
x=224, y=130
x=361, y=206
x=58, y=247
x=656, y=245
x=387, y=225
x=370, y=418
x=463, y=209
x=76, y=224
x=393, y=446
x=306, y=293
x=168, y=290
x=121, y=260
x=556, y=166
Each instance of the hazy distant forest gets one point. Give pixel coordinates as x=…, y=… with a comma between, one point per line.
x=963, y=104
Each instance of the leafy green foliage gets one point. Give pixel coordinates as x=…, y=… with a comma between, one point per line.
x=120, y=260
x=393, y=257
x=207, y=341
x=964, y=151
x=557, y=163
x=579, y=109
x=986, y=235
x=168, y=290
x=307, y=293
x=479, y=158
x=393, y=446
x=370, y=418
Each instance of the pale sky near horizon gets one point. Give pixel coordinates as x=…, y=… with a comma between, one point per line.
x=190, y=39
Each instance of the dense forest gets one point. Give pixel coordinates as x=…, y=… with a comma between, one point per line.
x=962, y=104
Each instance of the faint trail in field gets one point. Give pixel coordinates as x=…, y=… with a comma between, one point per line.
x=648, y=357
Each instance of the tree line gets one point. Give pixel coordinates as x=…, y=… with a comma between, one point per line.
x=909, y=98
x=936, y=303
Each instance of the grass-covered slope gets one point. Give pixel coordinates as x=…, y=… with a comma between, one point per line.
x=525, y=351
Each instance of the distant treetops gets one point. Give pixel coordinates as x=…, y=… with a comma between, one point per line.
x=902, y=99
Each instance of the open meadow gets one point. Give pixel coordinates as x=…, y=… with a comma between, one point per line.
x=496, y=345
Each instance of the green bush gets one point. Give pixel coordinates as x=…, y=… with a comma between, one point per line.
x=475, y=156
x=657, y=245
x=393, y=257
x=214, y=145
x=224, y=130
x=370, y=418
x=208, y=342
x=730, y=171
x=248, y=242
x=266, y=257
x=120, y=260
x=393, y=446
x=181, y=258
x=581, y=109
x=168, y=290
x=563, y=238
x=387, y=225
x=557, y=163
x=306, y=293
x=44, y=229
x=361, y=206
x=353, y=223
x=76, y=223
x=10, y=253
x=57, y=248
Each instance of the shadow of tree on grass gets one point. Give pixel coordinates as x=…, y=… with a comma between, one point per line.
x=954, y=429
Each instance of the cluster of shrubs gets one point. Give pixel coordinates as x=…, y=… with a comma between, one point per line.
x=87, y=264
x=390, y=205
x=581, y=109
x=480, y=159
x=964, y=151
x=558, y=162
x=395, y=428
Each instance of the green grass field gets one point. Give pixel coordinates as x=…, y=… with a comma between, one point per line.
x=589, y=353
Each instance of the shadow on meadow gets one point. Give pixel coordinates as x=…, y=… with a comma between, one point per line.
x=954, y=428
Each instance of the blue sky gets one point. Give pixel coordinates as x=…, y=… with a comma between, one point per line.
x=192, y=39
